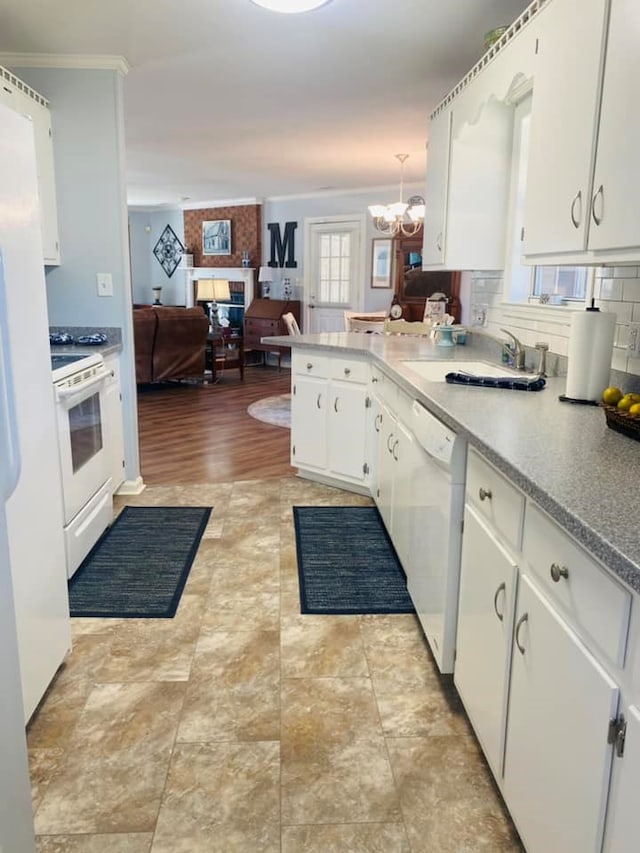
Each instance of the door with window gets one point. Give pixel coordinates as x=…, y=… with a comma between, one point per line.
x=334, y=268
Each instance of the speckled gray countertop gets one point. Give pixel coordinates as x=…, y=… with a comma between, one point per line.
x=112, y=346
x=585, y=475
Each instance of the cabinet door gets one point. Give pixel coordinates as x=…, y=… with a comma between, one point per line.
x=308, y=422
x=563, y=126
x=387, y=438
x=616, y=189
x=347, y=429
x=479, y=176
x=557, y=759
x=436, y=190
x=405, y=454
x=485, y=627
x=623, y=816
x=46, y=181
x=114, y=425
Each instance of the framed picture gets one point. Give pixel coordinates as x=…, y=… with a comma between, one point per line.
x=216, y=237
x=381, y=257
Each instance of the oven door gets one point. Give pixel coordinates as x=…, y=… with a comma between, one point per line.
x=83, y=457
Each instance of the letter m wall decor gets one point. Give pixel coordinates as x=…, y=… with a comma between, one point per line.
x=282, y=249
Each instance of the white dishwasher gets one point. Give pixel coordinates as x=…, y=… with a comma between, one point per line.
x=434, y=500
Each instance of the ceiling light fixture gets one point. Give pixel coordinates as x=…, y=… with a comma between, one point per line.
x=400, y=217
x=290, y=7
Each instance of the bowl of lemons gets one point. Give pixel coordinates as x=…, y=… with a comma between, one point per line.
x=622, y=411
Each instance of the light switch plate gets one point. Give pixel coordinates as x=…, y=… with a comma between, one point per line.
x=105, y=284
x=633, y=345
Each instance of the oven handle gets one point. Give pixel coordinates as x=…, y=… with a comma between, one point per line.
x=63, y=394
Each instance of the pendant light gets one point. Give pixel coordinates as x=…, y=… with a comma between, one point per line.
x=290, y=7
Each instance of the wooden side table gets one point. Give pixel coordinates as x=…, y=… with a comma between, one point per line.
x=225, y=351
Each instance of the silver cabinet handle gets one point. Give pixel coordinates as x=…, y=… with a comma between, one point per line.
x=599, y=192
x=577, y=199
x=377, y=423
x=347, y=371
x=318, y=401
x=557, y=571
x=524, y=618
x=374, y=379
x=309, y=366
x=439, y=242
x=390, y=438
x=484, y=494
x=335, y=405
x=501, y=588
x=393, y=452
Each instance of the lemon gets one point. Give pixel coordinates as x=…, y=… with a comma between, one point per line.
x=612, y=395
x=635, y=410
x=626, y=402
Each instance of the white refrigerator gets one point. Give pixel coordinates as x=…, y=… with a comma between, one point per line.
x=34, y=516
x=16, y=819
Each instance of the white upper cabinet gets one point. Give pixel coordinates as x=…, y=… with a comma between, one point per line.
x=583, y=181
x=436, y=192
x=615, y=210
x=469, y=163
x=16, y=95
x=564, y=119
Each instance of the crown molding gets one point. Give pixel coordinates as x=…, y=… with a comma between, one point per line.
x=91, y=62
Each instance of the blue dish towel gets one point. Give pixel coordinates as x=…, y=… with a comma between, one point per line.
x=92, y=340
x=497, y=382
x=60, y=338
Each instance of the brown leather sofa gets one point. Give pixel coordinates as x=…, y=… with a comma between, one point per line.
x=170, y=343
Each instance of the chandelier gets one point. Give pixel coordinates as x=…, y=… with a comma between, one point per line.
x=400, y=217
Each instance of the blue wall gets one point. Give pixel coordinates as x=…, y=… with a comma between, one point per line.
x=145, y=228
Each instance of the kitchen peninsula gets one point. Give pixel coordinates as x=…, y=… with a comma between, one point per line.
x=549, y=575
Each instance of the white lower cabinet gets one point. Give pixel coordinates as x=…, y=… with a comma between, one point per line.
x=485, y=627
x=540, y=666
x=623, y=817
x=330, y=418
x=308, y=422
x=557, y=755
x=114, y=426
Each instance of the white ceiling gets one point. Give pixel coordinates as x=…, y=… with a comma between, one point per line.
x=225, y=100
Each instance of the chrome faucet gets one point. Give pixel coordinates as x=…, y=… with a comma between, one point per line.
x=543, y=349
x=518, y=352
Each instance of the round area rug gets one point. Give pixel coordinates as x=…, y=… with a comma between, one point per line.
x=273, y=410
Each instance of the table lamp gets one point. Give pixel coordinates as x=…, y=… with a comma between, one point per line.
x=212, y=291
x=265, y=277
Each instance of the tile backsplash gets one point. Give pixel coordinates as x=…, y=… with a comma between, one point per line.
x=616, y=289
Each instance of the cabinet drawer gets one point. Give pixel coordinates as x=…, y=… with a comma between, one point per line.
x=349, y=370
x=310, y=364
x=495, y=498
x=589, y=596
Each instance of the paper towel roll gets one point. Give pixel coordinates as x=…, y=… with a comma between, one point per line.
x=590, y=351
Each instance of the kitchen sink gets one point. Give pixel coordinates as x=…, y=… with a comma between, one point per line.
x=435, y=371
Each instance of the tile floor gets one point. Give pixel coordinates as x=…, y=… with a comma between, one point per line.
x=241, y=725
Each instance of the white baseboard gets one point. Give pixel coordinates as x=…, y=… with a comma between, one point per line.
x=131, y=487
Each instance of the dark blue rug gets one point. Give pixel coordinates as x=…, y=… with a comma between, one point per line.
x=346, y=562
x=140, y=565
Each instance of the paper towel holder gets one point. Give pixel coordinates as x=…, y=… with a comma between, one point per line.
x=563, y=398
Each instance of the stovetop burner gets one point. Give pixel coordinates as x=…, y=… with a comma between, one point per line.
x=58, y=361
x=68, y=364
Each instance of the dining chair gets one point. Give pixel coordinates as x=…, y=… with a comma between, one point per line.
x=291, y=323
x=404, y=327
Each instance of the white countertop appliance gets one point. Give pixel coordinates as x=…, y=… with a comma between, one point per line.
x=79, y=385
x=34, y=509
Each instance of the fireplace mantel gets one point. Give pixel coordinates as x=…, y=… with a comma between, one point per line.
x=245, y=274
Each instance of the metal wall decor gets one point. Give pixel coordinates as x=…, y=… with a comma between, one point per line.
x=168, y=250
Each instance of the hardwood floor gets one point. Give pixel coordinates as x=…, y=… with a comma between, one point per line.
x=203, y=434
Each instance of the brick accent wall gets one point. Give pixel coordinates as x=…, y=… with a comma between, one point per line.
x=246, y=233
